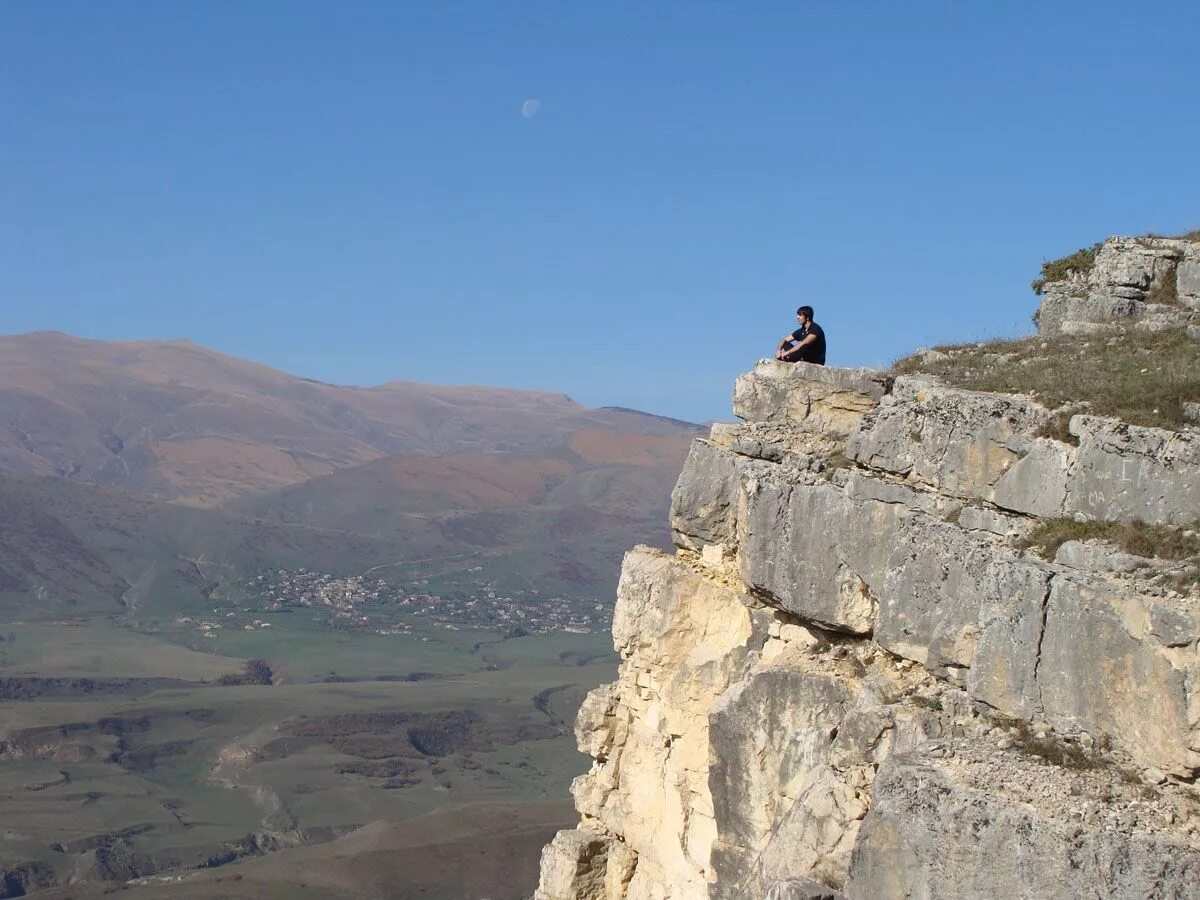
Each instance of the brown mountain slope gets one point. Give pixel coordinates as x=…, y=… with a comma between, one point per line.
x=627, y=473
x=177, y=421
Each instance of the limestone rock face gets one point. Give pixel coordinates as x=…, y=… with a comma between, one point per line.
x=1128, y=472
x=575, y=865
x=684, y=638
x=850, y=682
x=1188, y=281
x=985, y=447
x=964, y=829
x=1150, y=282
x=954, y=441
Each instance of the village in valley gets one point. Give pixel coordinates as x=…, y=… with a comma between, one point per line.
x=372, y=605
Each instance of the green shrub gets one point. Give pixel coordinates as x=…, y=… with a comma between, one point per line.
x=256, y=671
x=1060, y=269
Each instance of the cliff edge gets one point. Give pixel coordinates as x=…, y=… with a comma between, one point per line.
x=916, y=640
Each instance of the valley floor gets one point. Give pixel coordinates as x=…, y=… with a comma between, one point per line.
x=377, y=761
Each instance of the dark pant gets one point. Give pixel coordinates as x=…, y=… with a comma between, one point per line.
x=804, y=355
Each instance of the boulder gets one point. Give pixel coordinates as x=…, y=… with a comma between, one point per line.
x=807, y=396
x=1096, y=556
x=1187, y=284
x=574, y=866
x=823, y=556
x=1037, y=482
x=1063, y=312
x=707, y=496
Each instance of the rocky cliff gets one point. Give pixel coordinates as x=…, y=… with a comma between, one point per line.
x=855, y=678
x=1152, y=282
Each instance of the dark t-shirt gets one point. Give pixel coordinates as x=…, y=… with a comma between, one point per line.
x=814, y=352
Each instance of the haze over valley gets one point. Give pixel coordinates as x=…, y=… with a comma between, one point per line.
x=244, y=611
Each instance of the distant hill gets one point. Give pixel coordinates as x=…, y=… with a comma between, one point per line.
x=176, y=421
x=619, y=473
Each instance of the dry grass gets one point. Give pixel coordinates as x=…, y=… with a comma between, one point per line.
x=1068, y=756
x=1140, y=377
x=1164, y=291
x=1154, y=235
x=838, y=460
x=1137, y=538
x=1058, y=427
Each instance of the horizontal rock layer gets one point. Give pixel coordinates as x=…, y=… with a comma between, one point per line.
x=985, y=447
x=850, y=681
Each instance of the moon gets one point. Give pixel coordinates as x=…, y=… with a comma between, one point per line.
x=530, y=107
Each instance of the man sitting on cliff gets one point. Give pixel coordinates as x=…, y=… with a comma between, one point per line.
x=806, y=343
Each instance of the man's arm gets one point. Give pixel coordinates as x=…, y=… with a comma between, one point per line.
x=793, y=353
x=787, y=339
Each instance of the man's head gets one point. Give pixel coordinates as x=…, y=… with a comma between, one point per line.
x=804, y=314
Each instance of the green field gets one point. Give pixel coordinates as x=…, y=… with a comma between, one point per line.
x=98, y=650
x=128, y=759
x=137, y=783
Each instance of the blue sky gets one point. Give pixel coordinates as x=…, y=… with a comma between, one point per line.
x=349, y=191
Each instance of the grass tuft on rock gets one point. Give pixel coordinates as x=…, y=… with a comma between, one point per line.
x=1143, y=378
x=1059, y=427
x=1081, y=260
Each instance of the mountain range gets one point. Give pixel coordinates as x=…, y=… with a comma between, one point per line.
x=121, y=461
x=177, y=421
